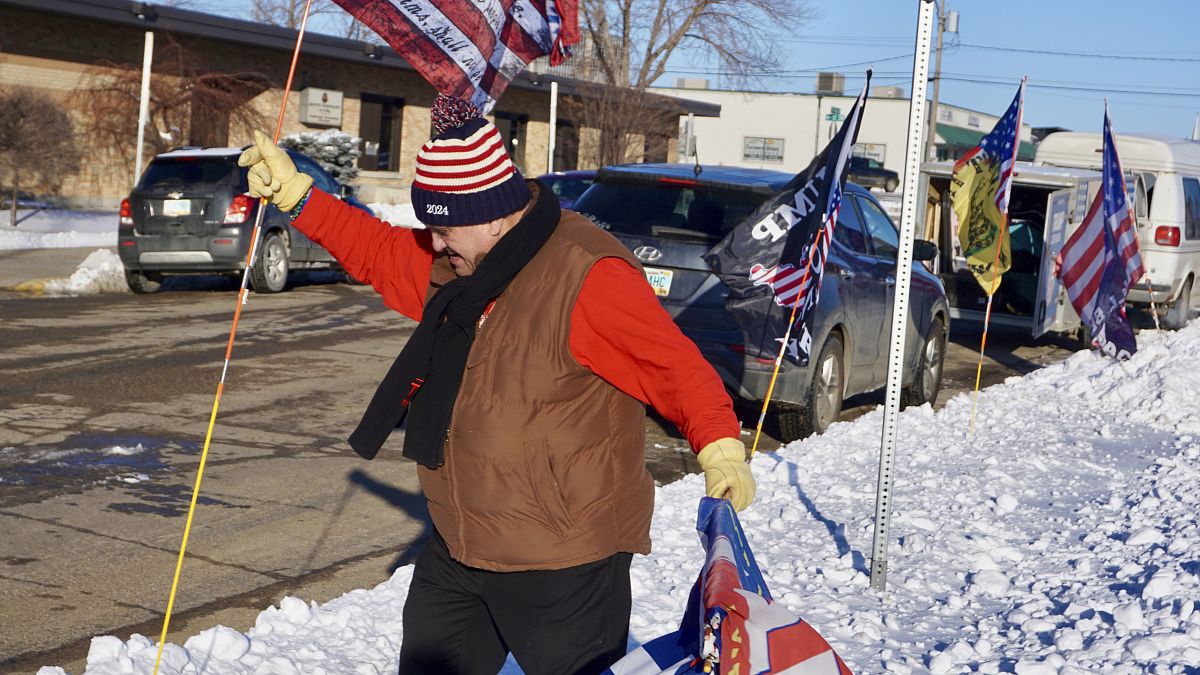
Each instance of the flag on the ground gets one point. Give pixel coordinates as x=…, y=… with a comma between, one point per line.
x=730, y=624
x=1101, y=259
x=471, y=50
x=774, y=261
x=979, y=192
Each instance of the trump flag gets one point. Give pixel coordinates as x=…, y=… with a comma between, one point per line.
x=471, y=50
x=774, y=261
x=1102, y=259
x=731, y=625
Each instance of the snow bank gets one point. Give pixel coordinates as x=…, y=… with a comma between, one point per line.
x=59, y=228
x=1063, y=539
x=100, y=272
x=402, y=215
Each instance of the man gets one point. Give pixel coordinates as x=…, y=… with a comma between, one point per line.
x=522, y=393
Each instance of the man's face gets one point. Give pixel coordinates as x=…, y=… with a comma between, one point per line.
x=465, y=245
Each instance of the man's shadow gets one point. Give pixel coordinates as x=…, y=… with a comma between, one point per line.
x=412, y=504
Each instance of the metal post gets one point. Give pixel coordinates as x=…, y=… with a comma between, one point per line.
x=817, y=130
x=904, y=263
x=553, y=126
x=144, y=104
x=931, y=138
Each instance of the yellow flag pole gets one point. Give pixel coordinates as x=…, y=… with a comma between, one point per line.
x=237, y=313
x=987, y=318
x=782, y=350
x=1002, y=233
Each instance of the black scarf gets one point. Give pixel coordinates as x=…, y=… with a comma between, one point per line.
x=425, y=378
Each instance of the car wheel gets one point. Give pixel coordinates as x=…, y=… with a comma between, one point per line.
x=891, y=185
x=270, y=272
x=352, y=280
x=143, y=283
x=928, y=379
x=824, y=396
x=1178, y=313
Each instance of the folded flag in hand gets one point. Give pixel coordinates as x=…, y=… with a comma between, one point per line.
x=730, y=624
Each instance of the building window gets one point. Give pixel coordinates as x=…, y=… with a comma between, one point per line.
x=379, y=127
x=566, y=145
x=512, y=130
x=760, y=149
x=973, y=121
x=945, y=115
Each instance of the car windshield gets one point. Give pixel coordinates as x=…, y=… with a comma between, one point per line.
x=192, y=172
x=667, y=211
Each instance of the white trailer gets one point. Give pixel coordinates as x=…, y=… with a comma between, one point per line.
x=1046, y=205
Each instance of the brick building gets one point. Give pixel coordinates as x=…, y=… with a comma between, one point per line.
x=51, y=45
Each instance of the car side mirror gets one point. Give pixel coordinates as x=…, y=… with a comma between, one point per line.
x=345, y=191
x=924, y=250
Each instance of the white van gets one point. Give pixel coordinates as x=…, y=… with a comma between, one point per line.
x=1166, y=190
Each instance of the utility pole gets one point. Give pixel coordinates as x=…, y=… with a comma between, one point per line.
x=947, y=21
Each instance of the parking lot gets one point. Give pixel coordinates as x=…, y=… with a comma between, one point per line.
x=103, y=411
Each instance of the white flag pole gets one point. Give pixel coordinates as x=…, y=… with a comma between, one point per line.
x=143, y=104
x=904, y=262
x=553, y=126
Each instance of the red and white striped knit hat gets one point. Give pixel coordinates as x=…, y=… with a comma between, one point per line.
x=464, y=175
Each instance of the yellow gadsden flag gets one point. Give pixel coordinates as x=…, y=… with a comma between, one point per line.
x=982, y=228
x=979, y=194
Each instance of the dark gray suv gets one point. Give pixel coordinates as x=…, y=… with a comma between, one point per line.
x=190, y=214
x=669, y=217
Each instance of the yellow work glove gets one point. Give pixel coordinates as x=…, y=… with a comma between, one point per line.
x=273, y=175
x=725, y=470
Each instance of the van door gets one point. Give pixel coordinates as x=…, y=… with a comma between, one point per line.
x=1054, y=235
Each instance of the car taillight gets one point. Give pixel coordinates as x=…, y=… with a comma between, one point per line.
x=126, y=212
x=679, y=181
x=1164, y=235
x=239, y=209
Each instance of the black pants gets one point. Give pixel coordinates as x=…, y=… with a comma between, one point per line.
x=459, y=620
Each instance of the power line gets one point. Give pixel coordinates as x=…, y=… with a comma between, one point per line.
x=1091, y=55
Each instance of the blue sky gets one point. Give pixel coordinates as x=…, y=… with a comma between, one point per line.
x=1153, y=31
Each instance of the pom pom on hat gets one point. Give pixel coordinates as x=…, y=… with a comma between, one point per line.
x=449, y=112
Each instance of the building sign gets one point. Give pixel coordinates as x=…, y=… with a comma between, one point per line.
x=759, y=149
x=875, y=151
x=321, y=107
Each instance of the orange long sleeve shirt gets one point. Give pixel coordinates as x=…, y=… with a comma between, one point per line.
x=619, y=331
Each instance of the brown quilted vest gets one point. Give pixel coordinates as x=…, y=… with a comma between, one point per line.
x=545, y=462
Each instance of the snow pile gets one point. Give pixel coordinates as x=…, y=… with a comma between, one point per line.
x=1062, y=539
x=100, y=272
x=58, y=228
x=401, y=215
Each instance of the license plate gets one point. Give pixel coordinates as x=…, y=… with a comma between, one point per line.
x=177, y=207
x=660, y=280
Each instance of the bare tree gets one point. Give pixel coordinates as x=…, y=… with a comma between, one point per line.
x=189, y=104
x=288, y=13
x=37, y=141
x=628, y=121
x=634, y=39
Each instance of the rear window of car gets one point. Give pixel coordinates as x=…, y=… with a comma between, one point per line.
x=667, y=211
x=569, y=188
x=192, y=172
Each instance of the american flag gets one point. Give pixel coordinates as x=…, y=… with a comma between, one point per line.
x=981, y=176
x=1101, y=259
x=730, y=624
x=783, y=246
x=472, y=49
